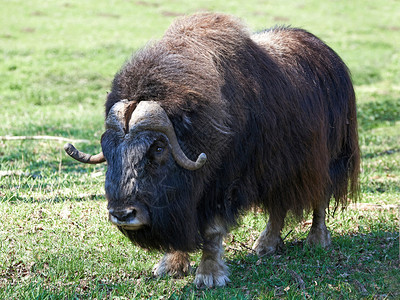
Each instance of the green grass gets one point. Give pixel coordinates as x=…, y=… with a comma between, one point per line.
x=57, y=60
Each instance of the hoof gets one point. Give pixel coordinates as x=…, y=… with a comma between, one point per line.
x=176, y=265
x=211, y=273
x=319, y=237
x=210, y=280
x=265, y=245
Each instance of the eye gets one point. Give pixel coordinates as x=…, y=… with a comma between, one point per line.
x=159, y=150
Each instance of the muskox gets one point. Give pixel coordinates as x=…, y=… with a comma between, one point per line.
x=210, y=121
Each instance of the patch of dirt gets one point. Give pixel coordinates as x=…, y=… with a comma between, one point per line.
x=38, y=13
x=108, y=15
x=7, y=36
x=171, y=14
x=28, y=29
x=281, y=19
x=144, y=3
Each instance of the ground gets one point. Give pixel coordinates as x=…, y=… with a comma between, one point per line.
x=57, y=62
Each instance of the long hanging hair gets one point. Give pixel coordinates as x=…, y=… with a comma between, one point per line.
x=274, y=111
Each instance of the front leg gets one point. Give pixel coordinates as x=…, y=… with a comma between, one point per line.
x=212, y=270
x=175, y=264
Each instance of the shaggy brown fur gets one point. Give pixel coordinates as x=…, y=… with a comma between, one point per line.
x=274, y=112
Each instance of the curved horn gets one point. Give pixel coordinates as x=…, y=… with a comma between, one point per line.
x=115, y=120
x=149, y=115
x=84, y=157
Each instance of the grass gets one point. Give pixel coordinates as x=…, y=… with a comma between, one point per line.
x=57, y=60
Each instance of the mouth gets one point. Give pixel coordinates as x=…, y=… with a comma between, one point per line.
x=131, y=217
x=133, y=224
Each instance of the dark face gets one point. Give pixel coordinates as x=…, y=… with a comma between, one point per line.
x=137, y=169
x=147, y=192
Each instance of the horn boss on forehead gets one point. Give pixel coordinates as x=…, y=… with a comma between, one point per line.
x=148, y=115
x=114, y=120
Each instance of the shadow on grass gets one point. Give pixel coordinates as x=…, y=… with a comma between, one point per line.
x=354, y=267
x=383, y=153
x=359, y=264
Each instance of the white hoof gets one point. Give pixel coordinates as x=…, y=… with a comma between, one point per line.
x=211, y=273
x=210, y=280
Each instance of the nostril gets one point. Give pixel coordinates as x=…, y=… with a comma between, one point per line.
x=131, y=217
x=131, y=214
x=124, y=215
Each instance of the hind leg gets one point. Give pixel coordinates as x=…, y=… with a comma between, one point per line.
x=270, y=240
x=319, y=234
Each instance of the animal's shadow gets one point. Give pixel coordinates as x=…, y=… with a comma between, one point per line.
x=304, y=269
